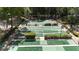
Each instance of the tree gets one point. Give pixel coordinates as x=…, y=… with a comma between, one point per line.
x=27, y=11
x=10, y=12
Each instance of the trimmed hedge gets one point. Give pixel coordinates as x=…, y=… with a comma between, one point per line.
x=57, y=36
x=30, y=36
x=47, y=24
x=54, y=24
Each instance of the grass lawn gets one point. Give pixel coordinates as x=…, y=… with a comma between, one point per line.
x=71, y=48
x=29, y=49
x=57, y=42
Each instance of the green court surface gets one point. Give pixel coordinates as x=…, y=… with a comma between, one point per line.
x=29, y=49
x=42, y=30
x=71, y=48
x=45, y=29
x=48, y=42
x=57, y=42
x=50, y=31
x=49, y=48
x=39, y=35
x=31, y=43
x=46, y=45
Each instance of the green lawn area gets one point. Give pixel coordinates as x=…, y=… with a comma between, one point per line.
x=31, y=43
x=57, y=42
x=29, y=49
x=71, y=48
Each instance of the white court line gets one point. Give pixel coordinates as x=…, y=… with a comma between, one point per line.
x=44, y=45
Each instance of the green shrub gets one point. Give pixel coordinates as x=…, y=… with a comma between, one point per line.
x=47, y=24
x=29, y=34
x=57, y=36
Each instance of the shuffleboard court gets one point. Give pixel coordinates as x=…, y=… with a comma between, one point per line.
x=57, y=42
x=29, y=49
x=71, y=48
x=49, y=48
x=31, y=43
x=46, y=43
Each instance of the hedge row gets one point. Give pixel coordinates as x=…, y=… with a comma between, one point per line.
x=30, y=36
x=58, y=36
